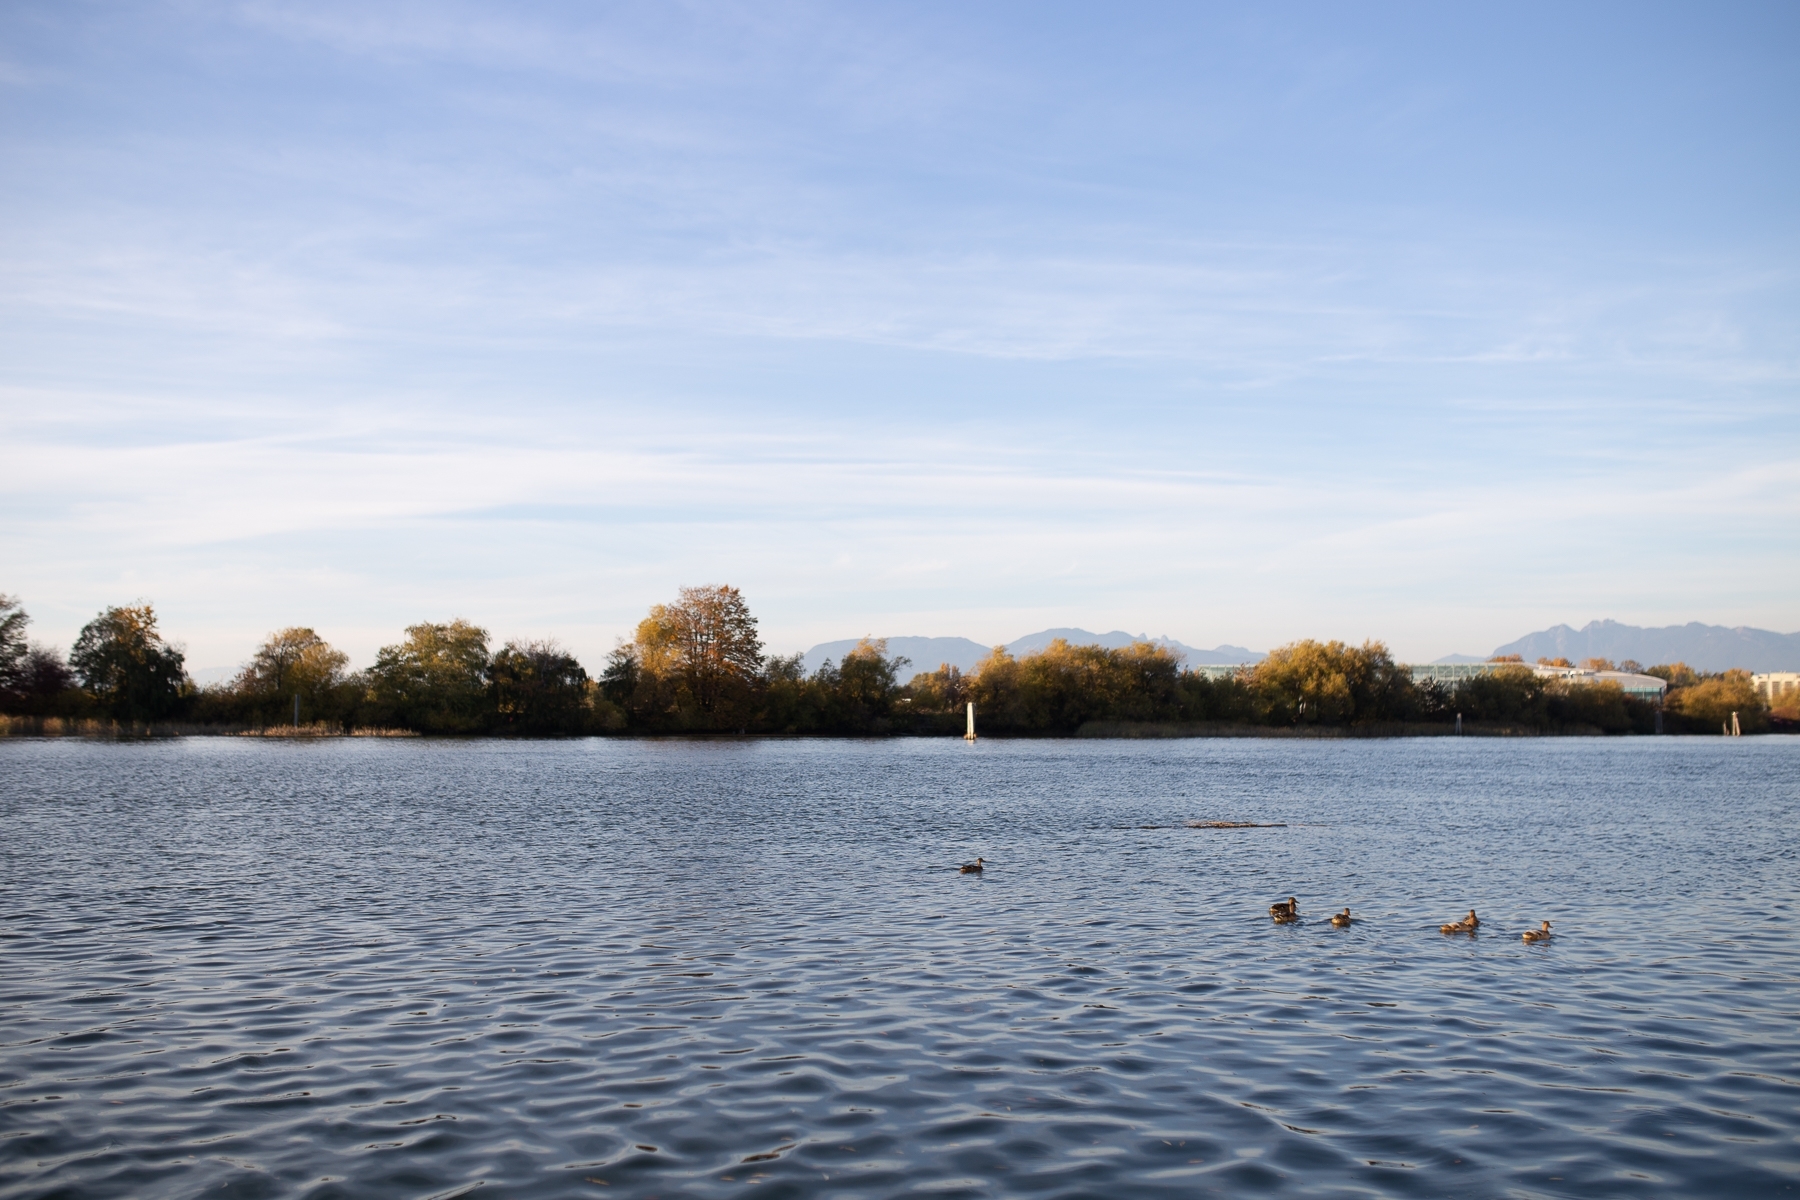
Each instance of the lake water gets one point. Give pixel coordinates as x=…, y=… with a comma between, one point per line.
x=751, y=969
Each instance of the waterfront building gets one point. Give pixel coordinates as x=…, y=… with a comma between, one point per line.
x=1641, y=687
x=1777, y=687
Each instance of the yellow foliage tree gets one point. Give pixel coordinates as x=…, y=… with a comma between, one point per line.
x=1312, y=682
x=293, y=662
x=1708, y=704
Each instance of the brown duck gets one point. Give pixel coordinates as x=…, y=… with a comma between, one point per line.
x=1468, y=924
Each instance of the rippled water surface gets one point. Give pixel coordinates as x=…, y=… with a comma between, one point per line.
x=751, y=969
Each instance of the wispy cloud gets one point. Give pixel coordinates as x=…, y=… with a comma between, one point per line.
x=956, y=320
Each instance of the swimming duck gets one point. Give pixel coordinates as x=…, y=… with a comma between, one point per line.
x=1285, y=908
x=1468, y=924
x=973, y=868
x=1537, y=935
x=1341, y=920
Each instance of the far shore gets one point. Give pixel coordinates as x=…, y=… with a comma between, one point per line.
x=52, y=728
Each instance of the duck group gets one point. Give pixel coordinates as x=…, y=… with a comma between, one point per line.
x=1287, y=912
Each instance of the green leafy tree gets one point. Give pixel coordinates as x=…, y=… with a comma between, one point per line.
x=867, y=686
x=46, y=686
x=13, y=620
x=1208, y=698
x=792, y=702
x=1604, y=706
x=132, y=673
x=435, y=681
x=34, y=680
x=1512, y=695
x=538, y=688
x=619, y=681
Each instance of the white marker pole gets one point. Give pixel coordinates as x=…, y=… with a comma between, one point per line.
x=970, y=736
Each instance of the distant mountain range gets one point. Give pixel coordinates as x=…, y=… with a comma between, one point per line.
x=1703, y=647
x=928, y=653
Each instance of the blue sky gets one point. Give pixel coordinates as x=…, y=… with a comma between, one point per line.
x=1231, y=323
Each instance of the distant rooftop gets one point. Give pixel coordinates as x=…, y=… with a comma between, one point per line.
x=1645, y=687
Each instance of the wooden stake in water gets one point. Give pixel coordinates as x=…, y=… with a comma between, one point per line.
x=970, y=736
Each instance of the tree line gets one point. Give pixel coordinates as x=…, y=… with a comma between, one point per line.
x=697, y=665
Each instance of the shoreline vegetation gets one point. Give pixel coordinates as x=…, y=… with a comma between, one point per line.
x=696, y=667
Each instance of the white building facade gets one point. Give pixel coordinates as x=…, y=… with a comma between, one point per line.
x=1643, y=687
x=1777, y=687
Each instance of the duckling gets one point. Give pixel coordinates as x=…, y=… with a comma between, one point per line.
x=1468, y=924
x=1341, y=920
x=1537, y=935
x=973, y=868
x=1288, y=908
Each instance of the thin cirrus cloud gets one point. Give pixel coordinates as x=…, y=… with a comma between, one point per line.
x=1237, y=327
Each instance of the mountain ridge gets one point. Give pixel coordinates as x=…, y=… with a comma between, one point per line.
x=928, y=653
x=1703, y=647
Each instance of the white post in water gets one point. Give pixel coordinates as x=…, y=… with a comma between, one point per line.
x=1735, y=731
x=970, y=736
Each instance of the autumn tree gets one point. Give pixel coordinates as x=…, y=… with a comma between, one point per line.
x=123, y=661
x=943, y=690
x=693, y=664
x=1676, y=675
x=295, y=663
x=1063, y=687
x=715, y=645
x=1331, y=683
x=1706, y=705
